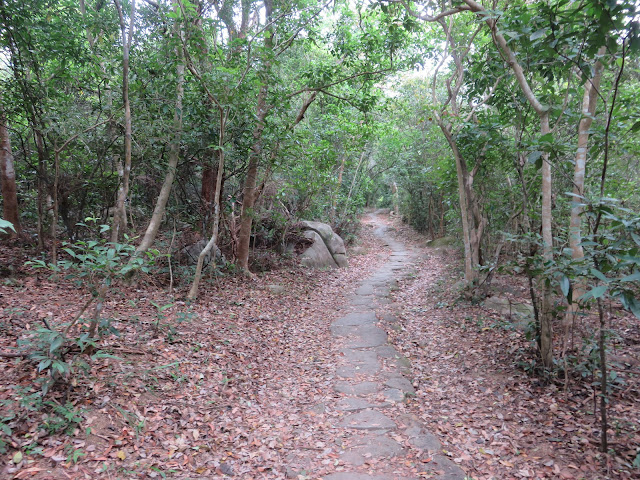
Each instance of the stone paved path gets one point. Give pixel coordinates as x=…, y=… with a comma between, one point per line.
x=374, y=381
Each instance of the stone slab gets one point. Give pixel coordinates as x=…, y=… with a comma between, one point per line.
x=386, y=351
x=353, y=404
x=365, y=289
x=379, y=446
x=401, y=383
x=362, y=300
x=356, y=318
x=368, y=420
x=352, y=371
x=367, y=330
x=352, y=355
x=359, y=476
x=426, y=441
x=370, y=339
x=362, y=388
x=394, y=395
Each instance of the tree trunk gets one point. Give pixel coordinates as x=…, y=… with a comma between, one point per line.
x=174, y=155
x=193, y=292
x=589, y=102
x=248, y=196
x=10, y=210
x=334, y=201
x=120, y=216
x=546, y=317
x=470, y=272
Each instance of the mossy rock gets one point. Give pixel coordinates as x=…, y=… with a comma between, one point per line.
x=442, y=242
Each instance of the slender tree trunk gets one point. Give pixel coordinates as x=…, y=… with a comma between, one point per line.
x=120, y=216
x=589, y=103
x=193, y=292
x=248, y=195
x=334, y=201
x=10, y=211
x=41, y=181
x=546, y=317
x=174, y=155
x=56, y=206
x=546, y=320
x=470, y=273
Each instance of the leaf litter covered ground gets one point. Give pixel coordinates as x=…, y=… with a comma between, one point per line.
x=473, y=391
x=235, y=385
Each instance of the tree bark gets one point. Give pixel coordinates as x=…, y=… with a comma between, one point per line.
x=248, y=196
x=248, y=193
x=174, y=155
x=589, y=103
x=470, y=273
x=10, y=211
x=546, y=318
x=193, y=292
x=120, y=216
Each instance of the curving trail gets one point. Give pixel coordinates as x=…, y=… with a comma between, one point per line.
x=375, y=434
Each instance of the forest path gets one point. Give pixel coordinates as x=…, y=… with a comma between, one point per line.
x=375, y=432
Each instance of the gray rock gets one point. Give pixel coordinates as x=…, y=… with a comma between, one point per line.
x=368, y=420
x=506, y=307
x=276, y=289
x=353, y=404
x=442, y=242
x=400, y=383
x=425, y=441
x=331, y=239
x=341, y=260
x=192, y=252
x=317, y=255
x=362, y=388
x=394, y=395
x=357, y=318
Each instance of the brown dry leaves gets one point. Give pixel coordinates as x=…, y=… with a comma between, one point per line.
x=493, y=419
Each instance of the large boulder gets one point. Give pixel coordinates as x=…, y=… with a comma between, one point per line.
x=192, y=252
x=332, y=241
x=519, y=313
x=317, y=255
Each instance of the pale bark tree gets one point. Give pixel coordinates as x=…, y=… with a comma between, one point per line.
x=193, y=292
x=10, y=210
x=589, y=103
x=174, y=153
x=546, y=317
x=124, y=168
x=472, y=218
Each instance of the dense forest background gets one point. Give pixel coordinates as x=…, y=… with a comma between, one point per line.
x=132, y=129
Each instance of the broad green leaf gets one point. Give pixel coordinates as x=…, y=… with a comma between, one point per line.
x=598, y=291
x=565, y=285
x=631, y=278
x=599, y=275
x=56, y=344
x=538, y=34
x=534, y=156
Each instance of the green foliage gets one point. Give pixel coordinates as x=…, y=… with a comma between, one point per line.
x=4, y=225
